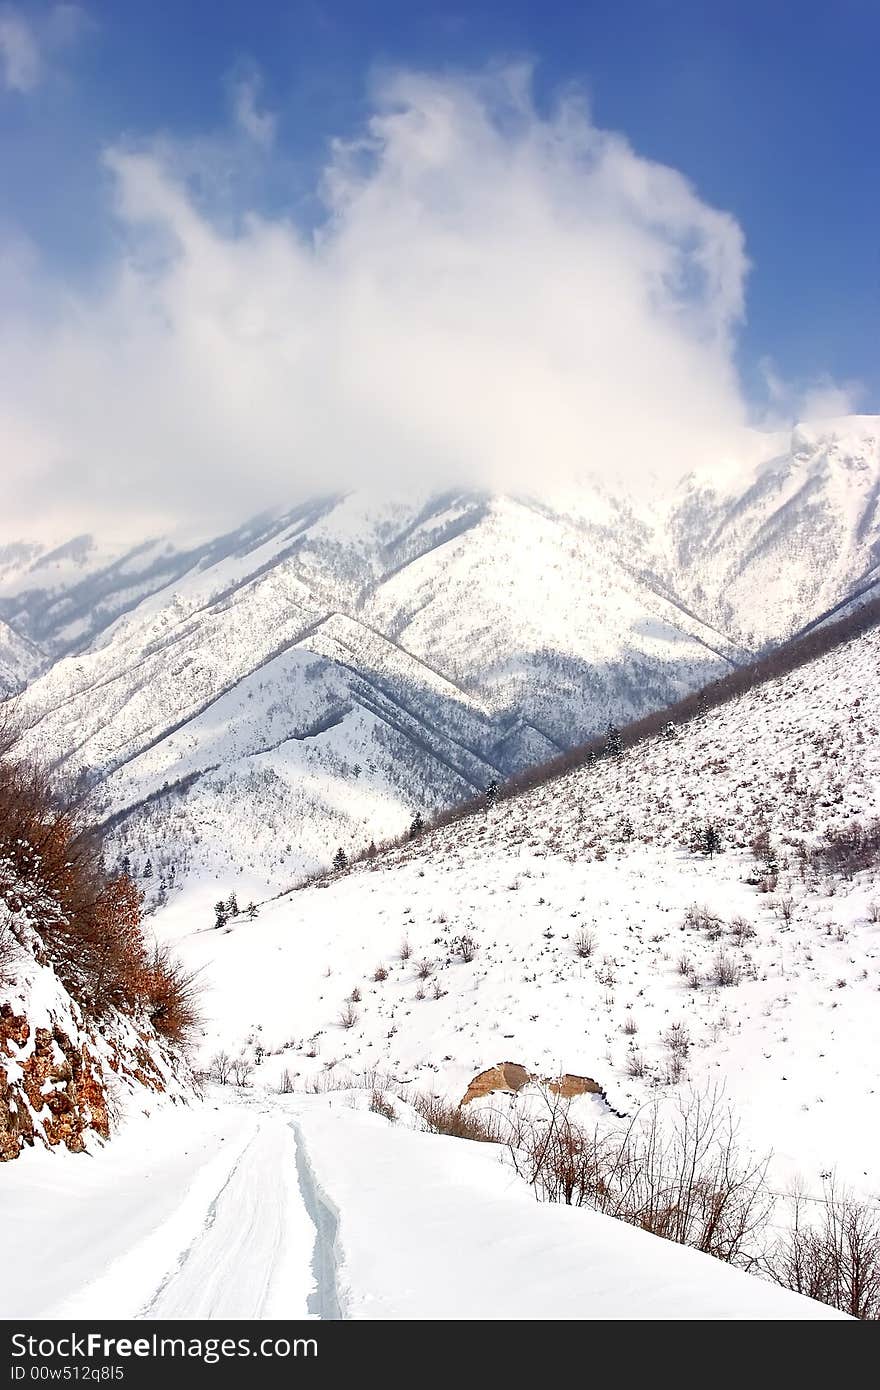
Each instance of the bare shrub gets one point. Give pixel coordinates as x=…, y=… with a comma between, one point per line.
x=171, y=993
x=700, y=919
x=630, y=1027
x=585, y=944
x=349, y=1015
x=381, y=1105
x=241, y=1071
x=424, y=969
x=636, y=1064
x=741, y=930
x=849, y=850
x=831, y=1252
x=443, y=1117
x=678, y=1039
x=684, y=965
x=465, y=947
x=8, y=953
x=285, y=1086
x=687, y=1180
x=355, y=996
x=725, y=972
x=380, y=974
x=219, y=1068
x=405, y=949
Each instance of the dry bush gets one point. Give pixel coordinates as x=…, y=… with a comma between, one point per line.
x=688, y=1180
x=847, y=851
x=219, y=1068
x=89, y=921
x=725, y=972
x=832, y=1253
x=423, y=970
x=443, y=1117
x=405, y=949
x=465, y=947
x=349, y=1015
x=585, y=944
x=285, y=1086
x=8, y=953
x=381, y=1105
x=741, y=930
x=380, y=974
x=241, y=1071
x=700, y=919
x=171, y=994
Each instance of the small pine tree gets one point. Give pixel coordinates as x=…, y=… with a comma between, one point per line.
x=371, y=850
x=220, y=914
x=251, y=911
x=125, y=865
x=232, y=905
x=613, y=742
x=417, y=825
x=709, y=839
x=492, y=792
x=340, y=858
x=148, y=869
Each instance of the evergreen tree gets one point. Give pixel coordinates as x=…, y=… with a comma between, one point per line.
x=417, y=825
x=492, y=793
x=340, y=858
x=613, y=742
x=709, y=839
x=148, y=869
x=125, y=865
x=232, y=905
x=220, y=914
x=251, y=910
x=371, y=850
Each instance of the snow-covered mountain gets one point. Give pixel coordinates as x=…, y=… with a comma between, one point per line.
x=603, y=942
x=312, y=679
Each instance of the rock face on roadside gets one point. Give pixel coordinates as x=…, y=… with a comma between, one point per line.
x=63, y=1081
x=512, y=1077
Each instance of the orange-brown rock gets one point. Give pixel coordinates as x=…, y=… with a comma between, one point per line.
x=570, y=1085
x=505, y=1076
x=512, y=1077
x=13, y=1028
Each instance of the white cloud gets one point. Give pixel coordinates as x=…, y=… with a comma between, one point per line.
x=821, y=399
x=20, y=62
x=495, y=297
x=258, y=125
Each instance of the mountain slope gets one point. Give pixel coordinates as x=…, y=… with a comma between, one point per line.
x=587, y=956
x=334, y=669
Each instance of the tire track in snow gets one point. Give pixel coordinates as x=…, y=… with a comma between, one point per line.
x=250, y=1258
x=323, y=1302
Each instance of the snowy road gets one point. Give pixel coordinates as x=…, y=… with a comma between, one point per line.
x=195, y=1213
x=312, y=1207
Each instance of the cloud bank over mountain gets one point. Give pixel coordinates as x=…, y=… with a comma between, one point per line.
x=490, y=293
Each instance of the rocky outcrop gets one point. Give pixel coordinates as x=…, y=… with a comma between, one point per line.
x=61, y=1079
x=512, y=1077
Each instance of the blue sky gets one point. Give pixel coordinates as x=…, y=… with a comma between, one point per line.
x=769, y=109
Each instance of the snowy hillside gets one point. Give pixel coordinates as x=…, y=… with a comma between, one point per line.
x=318, y=676
x=67, y=1080
x=603, y=942
x=203, y=1215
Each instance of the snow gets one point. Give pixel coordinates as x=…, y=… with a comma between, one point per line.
x=468, y=635
x=792, y=1042
x=203, y=1214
